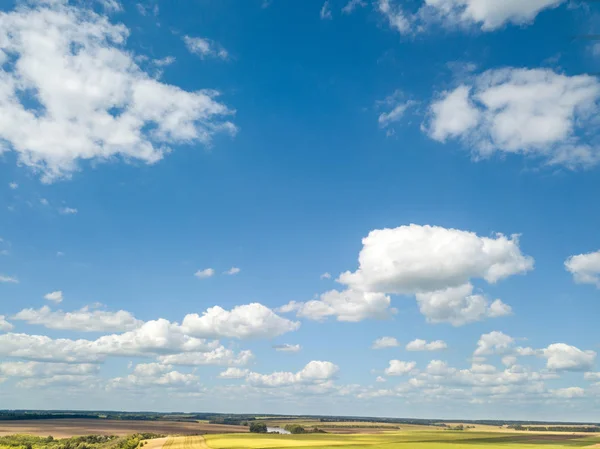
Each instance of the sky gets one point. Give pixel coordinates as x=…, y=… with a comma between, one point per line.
x=369, y=208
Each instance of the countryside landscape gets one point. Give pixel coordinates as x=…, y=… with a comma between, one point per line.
x=113, y=430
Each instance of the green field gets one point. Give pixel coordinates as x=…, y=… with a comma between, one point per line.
x=403, y=440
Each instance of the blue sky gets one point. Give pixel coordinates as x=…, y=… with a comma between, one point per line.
x=326, y=176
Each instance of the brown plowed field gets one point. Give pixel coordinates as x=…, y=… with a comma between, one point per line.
x=64, y=428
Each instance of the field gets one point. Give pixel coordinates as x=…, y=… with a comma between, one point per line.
x=65, y=428
x=403, y=440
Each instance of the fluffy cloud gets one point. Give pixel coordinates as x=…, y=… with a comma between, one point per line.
x=56, y=297
x=314, y=372
x=385, y=342
x=494, y=343
x=563, y=357
x=488, y=15
x=519, y=111
x=347, y=305
x=5, y=326
x=400, y=368
x=234, y=373
x=287, y=348
x=585, y=268
x=247, y=321
x=152, y=338
x=204, y=274
x=84, y=320
x=205, y=48
x=218, y=356
x=37, y=369
x=412, y=259
x=569, y=393
x=459, y=306
x=422, y=345
x=73, y=93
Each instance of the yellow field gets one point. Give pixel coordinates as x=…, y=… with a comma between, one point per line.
x=433, y=439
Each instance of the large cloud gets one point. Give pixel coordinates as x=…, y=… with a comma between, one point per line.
x=518, y=111
x=488, y=15
x=70, y=91
x=563, y=357
x=247, y=321
x=412, y=259
x=85, y=320
x=585, y=268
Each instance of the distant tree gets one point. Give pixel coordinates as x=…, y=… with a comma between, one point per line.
x=258, y=427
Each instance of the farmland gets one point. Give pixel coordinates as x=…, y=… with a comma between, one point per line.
x=64, y=428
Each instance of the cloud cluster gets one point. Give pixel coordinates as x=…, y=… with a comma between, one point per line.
x=71, y=92
x=537, y=112
x=487, y=15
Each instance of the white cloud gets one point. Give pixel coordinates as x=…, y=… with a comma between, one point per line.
x=396, y=18
x=37, y=369
x=218, y=356
x=314, y=372
x=569, y=393
x=325, y=13
x=157, y=337
x=83, y=320
x=347, y=305
x=534, y=112
x=380, y=379
x=61, y=380
x=76, y=94
x=154, y=375
x=591, y=376
x=287, y=348
x=56, y=296
x=563, y=357
x=247, y=321
x=5, y=326
x=494, y=343
x=459, y=306
x=400, y=368
x=509, y=360
x=67, y=211
x=204, y=47
x=585, y=268
x=488, y=15
x=352, y=5
x=13, y=186
x=163, y=62
x=232, y=271
x=385, y=342
x=414, y=258
x=8, y=279
x=422, y=345
x=44, y=202
x=204, y=274
x=326, y=276
x=234, y=373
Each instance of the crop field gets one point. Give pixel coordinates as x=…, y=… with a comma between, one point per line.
x=65, y=428
x=403, y=440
